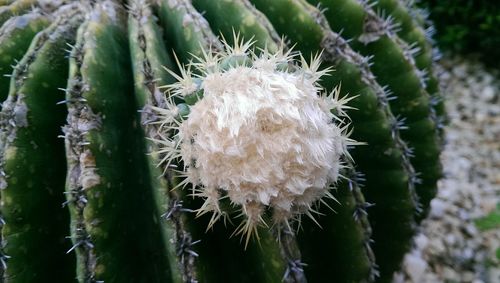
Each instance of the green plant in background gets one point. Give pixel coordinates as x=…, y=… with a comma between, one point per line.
x=467, y=27
x=167, y=164
x=490, y=221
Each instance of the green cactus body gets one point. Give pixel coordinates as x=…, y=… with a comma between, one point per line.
x=260, y=260
x=5, y=2
x=149, y=60
x=155, y=189
x=385, y=158
x=15, y=37
x=114, y=219
x=408, y=30
x=391, y=67
x=251, y=24
x=414, y=34
x=417, y=37
x=227, y=17
x=242, y=17
x=32, y=192
x=15, y=8
x=426, y=150
x=331, y=257
x=420, y=16
x=186, y=31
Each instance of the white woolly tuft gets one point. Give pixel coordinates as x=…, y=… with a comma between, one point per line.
x=260, y=136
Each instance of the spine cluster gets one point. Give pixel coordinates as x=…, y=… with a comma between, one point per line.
x=257, y=129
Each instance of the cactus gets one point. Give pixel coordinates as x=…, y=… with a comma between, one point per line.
x=15, y=37
x=213, y=141
x=29, y=143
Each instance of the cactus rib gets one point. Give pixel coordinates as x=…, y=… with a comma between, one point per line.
x=15, y=8
x=106, y=191
x=374, y=36
x=347, y=64
x=251, y=24
x=149, y=59
x=15, y=37
x=227, y=17
x=272, y=265
x=32, y=194
x=425, y=55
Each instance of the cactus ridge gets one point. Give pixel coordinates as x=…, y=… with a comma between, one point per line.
x=286, y=245
x=102, y=128
x=6, y=2
x=253, y=25
x=413, y=51
x=391, y=66
x=399, y=123
x=186, y=30
x=26, y=132
x=15, y=38
x=149, y=58
x=423, y=53
x=14, y=8
x=342, y=50
x=340, y=53
x=426, y=187
x=76, y=197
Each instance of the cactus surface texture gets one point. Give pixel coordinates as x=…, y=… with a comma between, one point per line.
x=214, y=141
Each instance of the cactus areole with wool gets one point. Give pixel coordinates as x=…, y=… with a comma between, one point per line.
x=262, y=134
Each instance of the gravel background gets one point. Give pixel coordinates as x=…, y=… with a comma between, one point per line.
x=450, y=247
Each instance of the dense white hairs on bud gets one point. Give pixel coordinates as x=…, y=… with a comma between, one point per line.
x=260, y=136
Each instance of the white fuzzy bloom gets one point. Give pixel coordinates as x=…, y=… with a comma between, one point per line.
x=264, y=138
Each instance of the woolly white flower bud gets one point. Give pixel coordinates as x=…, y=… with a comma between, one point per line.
x=260, y=136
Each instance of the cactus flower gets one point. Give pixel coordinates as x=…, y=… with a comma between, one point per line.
x=260, y=134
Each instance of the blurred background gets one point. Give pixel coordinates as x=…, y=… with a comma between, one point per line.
x=467, y=27
x=460, y=240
